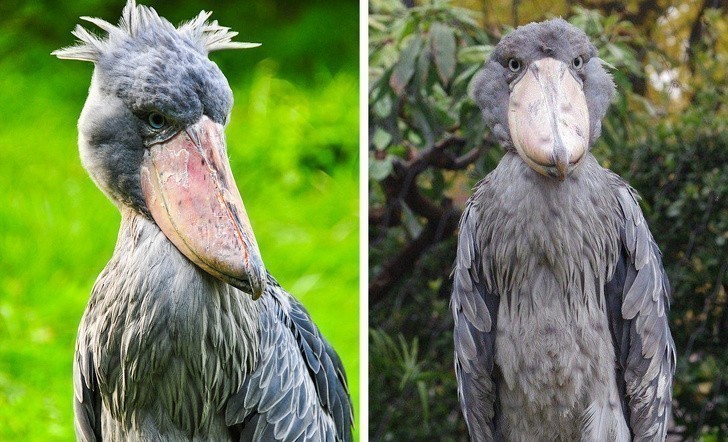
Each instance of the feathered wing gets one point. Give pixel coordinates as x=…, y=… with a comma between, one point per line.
x=638, y=305
x=86, y=397
x=298, y=390
x=475, y=312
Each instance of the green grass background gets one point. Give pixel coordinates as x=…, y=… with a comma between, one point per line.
x=293, y=143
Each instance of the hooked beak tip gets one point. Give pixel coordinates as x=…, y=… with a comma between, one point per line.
x=252, y=282
x=563, y=170
x=257, y=276
x=257, y=285
x=256, y=294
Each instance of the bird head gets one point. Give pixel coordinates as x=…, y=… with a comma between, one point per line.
x=151, y=135
x=544, y=92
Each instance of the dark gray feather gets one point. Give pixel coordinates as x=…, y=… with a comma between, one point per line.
x=298, y=389
x=638, y=300
x=475, y=311
x=86, y=402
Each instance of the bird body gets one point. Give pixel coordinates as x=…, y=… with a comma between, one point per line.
x=186, y=336
x=175, y=352
x=559, y=297
x=553, y=347
x=165, y=343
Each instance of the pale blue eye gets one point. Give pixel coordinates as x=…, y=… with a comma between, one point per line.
x=578, y=62
x=156, y=120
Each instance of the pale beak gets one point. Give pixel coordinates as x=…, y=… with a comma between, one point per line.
x=191, y=193
x=548, y=118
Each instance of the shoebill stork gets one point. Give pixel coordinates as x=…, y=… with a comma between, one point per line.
x=186, y=336
x=560, y=300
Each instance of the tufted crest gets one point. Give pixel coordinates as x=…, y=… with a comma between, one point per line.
x=138, y=19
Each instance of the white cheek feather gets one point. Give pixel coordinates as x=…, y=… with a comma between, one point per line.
x=90, y=162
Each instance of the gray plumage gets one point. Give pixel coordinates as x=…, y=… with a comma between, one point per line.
x=560, y=300
x=166, y=350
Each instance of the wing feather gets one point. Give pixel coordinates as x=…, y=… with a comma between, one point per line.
x=86, y=400
x=637, y=305
x=475, y=312
x=299, y=388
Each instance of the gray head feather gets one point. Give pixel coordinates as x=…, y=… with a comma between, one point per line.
x=553, y=38
x=135, y=20
x=144, y=65
x=151, y=65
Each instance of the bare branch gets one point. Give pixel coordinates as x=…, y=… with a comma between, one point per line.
x=405, y=261
x=401, y=187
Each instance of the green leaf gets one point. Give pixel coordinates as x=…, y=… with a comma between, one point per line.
x=382, y=106
x=404, y=28
x=438, y=183
x=462, y=81
x=474, y=54
x=423, y=67
x=377, y=24
x=421, y=119
x=410, y=222
x=422, y=390
x=381, y=139
x=443, y=51
x=405, y=67
x=472, y=124
x=380, y=169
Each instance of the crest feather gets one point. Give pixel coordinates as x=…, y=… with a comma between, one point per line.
x=101, y=23
x=212, y=36
x=134, y=20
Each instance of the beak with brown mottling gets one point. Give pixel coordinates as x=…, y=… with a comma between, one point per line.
x=548, y=118
x=190, y=191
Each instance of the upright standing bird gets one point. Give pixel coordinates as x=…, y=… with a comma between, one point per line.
x=186, y=336
x=560, y=299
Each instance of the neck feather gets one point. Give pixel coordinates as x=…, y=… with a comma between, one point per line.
x=158, y=327
x=543, y=239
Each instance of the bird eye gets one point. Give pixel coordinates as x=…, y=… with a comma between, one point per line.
x=578, y=62
x=156, y=120
x=514, y=65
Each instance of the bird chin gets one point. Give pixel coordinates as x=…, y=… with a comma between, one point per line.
x=548, y=118
x=190, y=191
x=560, y=172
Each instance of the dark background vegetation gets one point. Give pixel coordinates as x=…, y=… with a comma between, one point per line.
x=666, y=134
x=293, y=143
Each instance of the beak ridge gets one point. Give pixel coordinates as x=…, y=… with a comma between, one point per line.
x=548, y=118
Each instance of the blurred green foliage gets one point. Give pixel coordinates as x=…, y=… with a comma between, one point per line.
x=428, y=148
x=293, y=143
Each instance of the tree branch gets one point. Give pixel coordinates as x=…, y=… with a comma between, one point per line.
x=404, y=262
x=399, y=187
x=696, y=35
